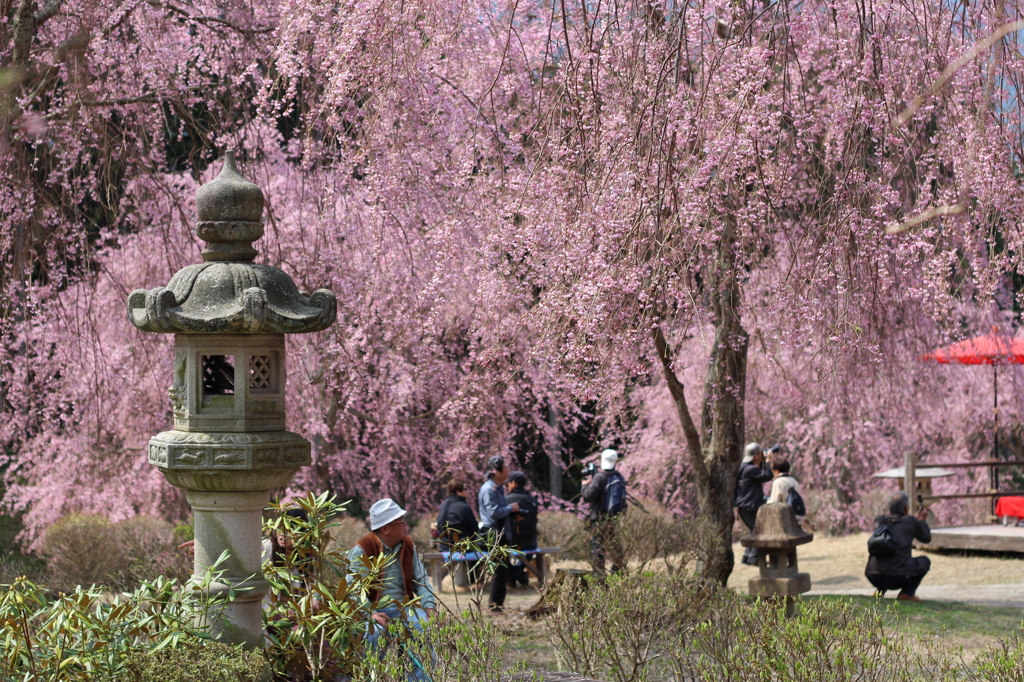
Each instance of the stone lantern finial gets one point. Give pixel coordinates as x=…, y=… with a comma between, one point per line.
x=228, y=293
x=230, y=212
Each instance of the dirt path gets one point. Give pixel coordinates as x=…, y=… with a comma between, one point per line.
x=836, y=566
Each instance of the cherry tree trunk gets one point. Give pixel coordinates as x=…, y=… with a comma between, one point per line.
x=722, y=423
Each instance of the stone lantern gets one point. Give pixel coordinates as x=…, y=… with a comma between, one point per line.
x=776, y=535
x=229, y=448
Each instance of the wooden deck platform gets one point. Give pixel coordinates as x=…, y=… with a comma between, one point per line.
x=991, y=538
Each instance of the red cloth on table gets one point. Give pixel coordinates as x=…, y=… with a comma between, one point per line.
x=1010, y=506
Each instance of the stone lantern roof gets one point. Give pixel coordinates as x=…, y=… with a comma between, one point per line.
x=228, y=292
x=776, y=528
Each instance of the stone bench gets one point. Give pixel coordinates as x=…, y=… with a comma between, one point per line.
x=535, y=561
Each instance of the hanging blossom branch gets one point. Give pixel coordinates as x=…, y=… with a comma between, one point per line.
x=940, y=82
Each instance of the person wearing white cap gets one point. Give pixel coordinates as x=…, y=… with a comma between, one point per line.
x=605, y=491
x=403, y=577
x=754, y=473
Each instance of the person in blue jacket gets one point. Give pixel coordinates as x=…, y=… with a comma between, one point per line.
x=496, y=522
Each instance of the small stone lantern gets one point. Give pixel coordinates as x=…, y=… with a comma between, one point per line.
x=776, y=536
x=229, y=449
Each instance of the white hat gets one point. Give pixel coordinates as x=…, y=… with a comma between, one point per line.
x=383, y=512
x=608, y=459
x=751, y=452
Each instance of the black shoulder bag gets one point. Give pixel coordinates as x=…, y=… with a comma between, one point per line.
x=882, y=544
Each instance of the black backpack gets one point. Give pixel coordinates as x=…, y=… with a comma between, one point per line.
x=615, y=494
x=796, y=502
x=882, y=544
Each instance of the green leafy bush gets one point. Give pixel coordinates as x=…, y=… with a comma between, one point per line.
x=644, y=626
x=318, y=618
x=89, y=635
x=88, y=549
x=196, y=662
x=1002, y=663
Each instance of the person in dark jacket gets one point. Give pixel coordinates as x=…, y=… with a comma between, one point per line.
x=524, y=525
x=603, y=538
x=901, y=571
x=755, y=471
x=455, y=520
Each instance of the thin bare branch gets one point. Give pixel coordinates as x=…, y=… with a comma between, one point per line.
x=968, y=56
x=945, y=209
x=678, y=392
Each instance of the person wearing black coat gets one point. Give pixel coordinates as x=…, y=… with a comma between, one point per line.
x=901, y=571
x=754, y=473
x=455, y=520
x=524, y=524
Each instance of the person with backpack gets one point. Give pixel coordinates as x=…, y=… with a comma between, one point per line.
x=890, y=565
x=754, y=473
x=605, y=491
x=785, y=488
x=524, y=525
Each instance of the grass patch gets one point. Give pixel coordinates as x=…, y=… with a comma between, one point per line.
x=970, y=626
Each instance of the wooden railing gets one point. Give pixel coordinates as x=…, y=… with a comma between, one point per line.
x=993, y=493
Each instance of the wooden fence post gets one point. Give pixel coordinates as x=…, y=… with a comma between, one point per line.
x=909, y=486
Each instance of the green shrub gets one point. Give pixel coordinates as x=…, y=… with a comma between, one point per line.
x=456, y=648
x=1003, y=662
x=565, y=530
x=613, y=629
x=318, y=618
x=82, y=549
x=88, y=635
x=831, y=641
x=644, y=626
x=87, y=549
x=196, y=662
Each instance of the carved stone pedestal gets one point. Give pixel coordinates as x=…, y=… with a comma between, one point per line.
x=233, y=522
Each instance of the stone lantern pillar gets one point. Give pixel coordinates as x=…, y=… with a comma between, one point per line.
x=776, y=535
x=229, y=448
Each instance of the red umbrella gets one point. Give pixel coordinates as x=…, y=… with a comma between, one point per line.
x=992, y=349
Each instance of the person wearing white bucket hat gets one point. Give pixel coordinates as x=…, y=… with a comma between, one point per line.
x=403, y=577
x=605, y=492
